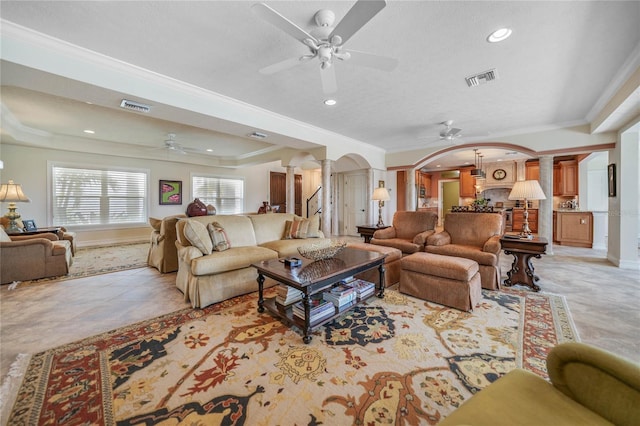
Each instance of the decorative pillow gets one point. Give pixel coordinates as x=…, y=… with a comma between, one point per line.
x=198, y=236
x=4, y=238
x=219, y=237
x=296, y=229
x=155, y=223
x=314, y=226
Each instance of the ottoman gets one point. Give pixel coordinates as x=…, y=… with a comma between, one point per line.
x=447, y=280
x=391, y=263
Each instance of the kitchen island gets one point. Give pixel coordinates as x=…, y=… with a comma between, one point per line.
x=573, y=227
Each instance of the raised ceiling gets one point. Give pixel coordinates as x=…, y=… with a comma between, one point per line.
x=554, y=71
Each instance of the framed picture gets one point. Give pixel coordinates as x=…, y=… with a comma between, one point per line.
x=29, y=225
x=612, y=179
x=170, y=192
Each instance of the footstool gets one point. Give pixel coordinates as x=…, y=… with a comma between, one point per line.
x=447, y=280
x=391, y=263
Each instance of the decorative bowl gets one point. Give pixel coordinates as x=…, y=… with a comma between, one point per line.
x=321, y=250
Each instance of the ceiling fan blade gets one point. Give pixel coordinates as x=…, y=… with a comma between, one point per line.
x=284, y=65
x=363, y=59
x=357, y=17
x=279, y=21
x=329, y=84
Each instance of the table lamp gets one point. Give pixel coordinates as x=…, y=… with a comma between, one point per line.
x=12, y=193
x=526, y=190
x=380, y=195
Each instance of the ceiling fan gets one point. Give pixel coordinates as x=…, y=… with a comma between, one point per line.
x=326, y=42
x=171, y=144
x=449, y=133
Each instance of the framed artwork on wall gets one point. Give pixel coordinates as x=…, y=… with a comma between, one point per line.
x=611, y=168
x=171, y=192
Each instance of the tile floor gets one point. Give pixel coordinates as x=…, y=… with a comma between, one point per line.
x=603, y=301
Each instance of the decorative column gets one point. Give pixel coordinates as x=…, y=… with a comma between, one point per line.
x=410, y=201
x=326, y=198
x=370, y=186
x=545, y=207
x=291, y=189
x=521, y=171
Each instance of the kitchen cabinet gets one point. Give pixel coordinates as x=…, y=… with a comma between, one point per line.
x=518, y=219
x=467, y=183
x=569, y=177
x=557, y=179
x=424, y=184
x=574, y=228
x=532, y=170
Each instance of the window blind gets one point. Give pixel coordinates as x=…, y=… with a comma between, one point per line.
x=90, y=196
x=226, y=194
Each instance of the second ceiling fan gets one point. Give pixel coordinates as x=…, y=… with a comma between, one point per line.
x=326, y=42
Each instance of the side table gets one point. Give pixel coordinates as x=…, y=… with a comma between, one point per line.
x=366, y=231
x=51, y=229
x=522, y=271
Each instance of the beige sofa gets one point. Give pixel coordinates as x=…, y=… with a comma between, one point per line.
x=474, y=236
x=206, y=279
x=162, y=248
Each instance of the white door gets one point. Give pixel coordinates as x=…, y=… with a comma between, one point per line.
x=355, y=202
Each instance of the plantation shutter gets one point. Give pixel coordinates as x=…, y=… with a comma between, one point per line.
x=226, y=194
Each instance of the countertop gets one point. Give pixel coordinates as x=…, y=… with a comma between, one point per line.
x=571, y=211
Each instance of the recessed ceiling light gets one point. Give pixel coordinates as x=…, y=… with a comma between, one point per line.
x=438, y=165
x=499, y=159
x=209, y=150
x=91, y=132
x=330, y=102
x=499, y=35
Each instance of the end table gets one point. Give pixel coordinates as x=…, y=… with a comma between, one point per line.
x=522, y=271
x=366, y=231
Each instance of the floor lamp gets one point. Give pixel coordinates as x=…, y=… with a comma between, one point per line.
x=12, y=193
x=380, y=195
x=526, y=190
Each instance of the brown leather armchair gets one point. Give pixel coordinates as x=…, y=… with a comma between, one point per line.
x=474, y=236
x=409, y=231
x=30, y=257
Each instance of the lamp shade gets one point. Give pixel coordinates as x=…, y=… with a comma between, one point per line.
x=381, y=194
x=527, y=190
x=12, y=192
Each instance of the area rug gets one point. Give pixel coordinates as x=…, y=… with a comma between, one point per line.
x=397, y=360
x=102, y=260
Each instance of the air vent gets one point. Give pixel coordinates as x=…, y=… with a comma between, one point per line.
x=257, y=135
x=135, y=106
x=482, y=78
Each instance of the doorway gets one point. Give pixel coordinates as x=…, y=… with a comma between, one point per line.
x=278, y=192
x=449, y=196
x=354, y=188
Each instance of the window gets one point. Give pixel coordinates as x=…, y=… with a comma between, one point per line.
x=226, y=194
x=97, y=196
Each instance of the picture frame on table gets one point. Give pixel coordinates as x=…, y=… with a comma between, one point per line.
x=170, y=192
x=611, y=169
x=29, y=225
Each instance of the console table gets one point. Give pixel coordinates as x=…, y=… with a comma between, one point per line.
x=522, y=271
x=366, y=231
x=52, y=229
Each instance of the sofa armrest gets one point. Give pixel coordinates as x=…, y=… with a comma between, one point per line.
x=385, y=234
x=46, y=235
x=421, y=238
x=29, y=242
x=492, y=245
x=439, y=239
x=605, y=383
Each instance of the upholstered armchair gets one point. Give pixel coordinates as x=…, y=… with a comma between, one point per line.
x=409, y=231
x=589, y=386
x=30, y=257
x=474, y=236
x=163, y=254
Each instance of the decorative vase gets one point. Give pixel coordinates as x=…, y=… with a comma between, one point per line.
x=265, y=208
x=211, y=210
x=196, y=208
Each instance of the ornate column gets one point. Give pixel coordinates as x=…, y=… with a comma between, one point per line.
x=370, y=186
x=291, y=189
x=326, y=198
x=545, y=207
x=410, y=201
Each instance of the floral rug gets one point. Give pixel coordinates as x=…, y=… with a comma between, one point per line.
x=102, y=260
x=397, y=360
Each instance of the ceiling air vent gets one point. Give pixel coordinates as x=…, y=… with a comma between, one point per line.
x=257, y=135
x=135, y=106
x=483, y=77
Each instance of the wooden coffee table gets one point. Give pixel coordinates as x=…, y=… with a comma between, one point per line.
x=313, y=277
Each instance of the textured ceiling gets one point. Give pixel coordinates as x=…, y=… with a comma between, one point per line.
x=552, y=71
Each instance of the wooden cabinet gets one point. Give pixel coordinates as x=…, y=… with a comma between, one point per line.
x=574, y=228
x=401, y=190
x=424, y=184
x=467, y=183
x=569, y=177
x=518, y=219
x=532, y=170
x=557, y=180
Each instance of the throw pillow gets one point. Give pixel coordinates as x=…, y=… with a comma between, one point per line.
x=296, y=229
x=4, y=238
x=219, y=237
x=198, y=236
x=314, y=226
x=155, y=223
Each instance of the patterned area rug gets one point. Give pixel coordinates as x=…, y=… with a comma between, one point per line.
x=102, y=260
x=398, y=360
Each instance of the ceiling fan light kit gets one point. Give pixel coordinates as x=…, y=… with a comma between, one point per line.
x=326, y=41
